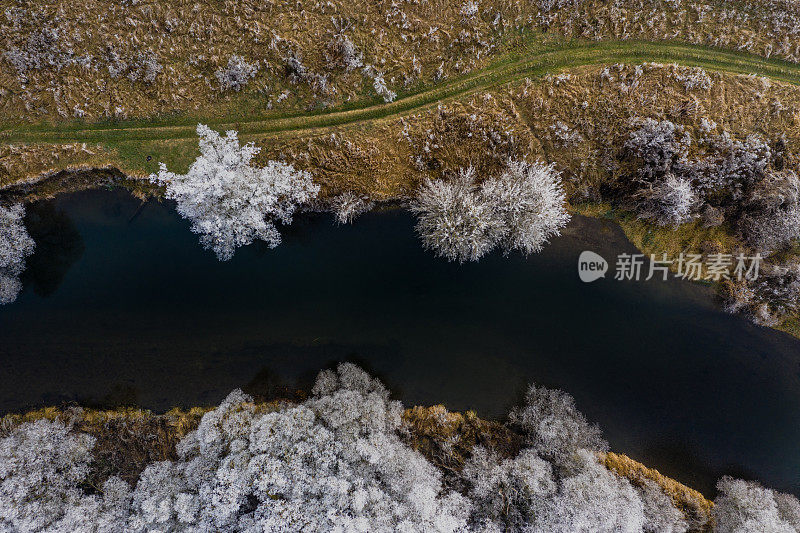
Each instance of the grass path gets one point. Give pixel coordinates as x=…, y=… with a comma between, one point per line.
x=138, y=145
x=509, y=69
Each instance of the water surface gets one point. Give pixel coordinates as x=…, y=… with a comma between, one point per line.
x=121, y=305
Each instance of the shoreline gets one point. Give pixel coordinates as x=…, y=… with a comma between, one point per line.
x=426, y=434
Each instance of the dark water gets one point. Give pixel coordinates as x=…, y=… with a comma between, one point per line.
x=122, y=305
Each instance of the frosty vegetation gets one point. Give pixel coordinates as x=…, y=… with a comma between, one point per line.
x=553, y=426
x=344, y=54
x=15, y=246
x=229, y=201
x=733, y=178
x=42, y=49
x=771, y=297
x=347, y=206
x=675, y=179
x=408, y=42
x=235, y=74
x=747, y=506
x=521, y=209
x=668, y=202
x=338, y=462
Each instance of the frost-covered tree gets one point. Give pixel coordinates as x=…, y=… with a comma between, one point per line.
x=554, y=427
x=504, y=492
x=454, y=220
x=524, y=494
x=42, y=465
x=530, y=200
x=230, y=202
x=590, y=498
x=235, y=74
x=15, y=246
x=660, y=515
x=669, y=202
x=334, y=463
x=519, y=210
x=745, y=506
x=348, y=205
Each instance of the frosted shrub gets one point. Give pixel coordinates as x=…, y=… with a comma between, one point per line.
x=530, y=200
x=772, y=213
x=469, y=8
x=519, y=210
x=768, y=299
x=454, y=220
x=693, y=78
x=15, y=246
x=236, y=74
x=743, y=506
x=347, y=206
x=566, y=136
x=41, y=50
x=345, y=53
x=298, y=72
x=554, y=427
x=230, y=202
x=659, y=146
x=145, y=68
x=670, y=202
x=734, y=166
x=380, y=87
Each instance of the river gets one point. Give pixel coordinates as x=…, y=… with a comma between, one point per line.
x=122, y=305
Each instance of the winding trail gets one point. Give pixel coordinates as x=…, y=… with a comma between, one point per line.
x=511, y=68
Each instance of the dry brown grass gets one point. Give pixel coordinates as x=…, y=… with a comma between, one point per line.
x=411, y=43
x=693, y=504
x=446, y=438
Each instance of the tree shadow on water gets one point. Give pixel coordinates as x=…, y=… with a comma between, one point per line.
x=58, y=246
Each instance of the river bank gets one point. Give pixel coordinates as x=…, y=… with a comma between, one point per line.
x=129, y=439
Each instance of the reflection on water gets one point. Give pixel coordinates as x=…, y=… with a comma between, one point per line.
x=145, y=316
x=58, y=247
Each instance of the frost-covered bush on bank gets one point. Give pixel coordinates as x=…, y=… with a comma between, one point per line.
x=230, y=202
x=15, y=246
x=521, y=209
x=340, y=461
